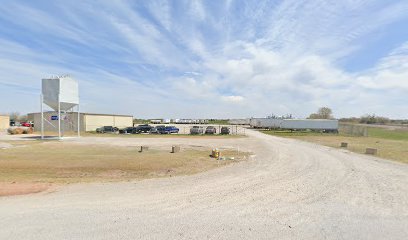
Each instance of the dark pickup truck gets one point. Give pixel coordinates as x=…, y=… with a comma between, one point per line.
x=225, y=130
x=145, y=128
x=128, y=130
x=107, y=129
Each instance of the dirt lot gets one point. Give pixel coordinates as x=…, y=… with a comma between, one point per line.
x=34, y=166
x=289, y=190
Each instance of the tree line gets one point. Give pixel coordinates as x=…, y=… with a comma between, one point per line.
x=327, y=113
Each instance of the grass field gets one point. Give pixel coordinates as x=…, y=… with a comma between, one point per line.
x=391, y=144
x=63, y=162
x=392, y=134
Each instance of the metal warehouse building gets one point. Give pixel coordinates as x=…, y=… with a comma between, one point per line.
x=88, y=121
x=4, y=122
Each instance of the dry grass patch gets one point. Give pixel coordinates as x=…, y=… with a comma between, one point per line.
x=389, y=149
x=389, y=144
x=64, y=162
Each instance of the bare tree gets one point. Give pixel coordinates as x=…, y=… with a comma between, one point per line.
x=14, y=116
x=322, y=113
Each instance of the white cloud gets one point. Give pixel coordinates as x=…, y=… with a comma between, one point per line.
x=161, y=11
x=266, y=57
x=390, y=73
x=197, y=9
x=233, y=99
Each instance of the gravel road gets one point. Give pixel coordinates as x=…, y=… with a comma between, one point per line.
x=289, y=190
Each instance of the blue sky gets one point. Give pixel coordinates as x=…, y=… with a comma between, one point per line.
x=218, y=59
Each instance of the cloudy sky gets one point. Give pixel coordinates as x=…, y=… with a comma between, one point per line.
x=193, y=59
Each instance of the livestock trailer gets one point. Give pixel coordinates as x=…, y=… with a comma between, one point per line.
x=265, y=122
x=253, y=122
x=310, y=124
x=245, y=121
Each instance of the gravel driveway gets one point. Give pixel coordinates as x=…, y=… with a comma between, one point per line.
x=289, y=190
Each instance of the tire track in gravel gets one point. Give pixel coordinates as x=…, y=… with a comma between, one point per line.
x=289, y=190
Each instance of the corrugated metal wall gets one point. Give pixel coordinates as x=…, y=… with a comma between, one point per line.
x=68, y=125
x=95, y=121
x=88, y=122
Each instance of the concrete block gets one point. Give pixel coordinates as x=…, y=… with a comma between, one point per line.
x=144, y=148
x=175, y=149
x=343, y=144
x=372, y=151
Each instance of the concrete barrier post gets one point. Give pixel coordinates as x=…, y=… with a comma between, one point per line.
x=175, y=149
x=372, y=151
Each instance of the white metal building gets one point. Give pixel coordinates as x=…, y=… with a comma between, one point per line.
x=4, y=122
x=88, y=121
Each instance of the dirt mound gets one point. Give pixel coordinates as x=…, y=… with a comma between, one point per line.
x=20, y=130
x=9, y=189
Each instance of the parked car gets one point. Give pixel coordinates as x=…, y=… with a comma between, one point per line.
x=145, y=128
x=172, y=129
x=154, y=130
x=210, y=130
x=167, y=129
x=225, y=130
x=25, y=124
x=196, y=130
x=107, y=129
x=160, y=129
x=128, y=130
x=157, y=130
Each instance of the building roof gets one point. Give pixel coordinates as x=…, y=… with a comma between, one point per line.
x=83, y=113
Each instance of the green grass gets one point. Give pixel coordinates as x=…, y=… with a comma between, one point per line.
x=383, y=133
x=391, y=144
x=392, y=134
x=295, y=133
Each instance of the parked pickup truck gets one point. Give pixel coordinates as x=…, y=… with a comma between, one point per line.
x=196, y=130
x=128, y=130
x=107, y=129
x=155, y=130
x=145, y=128
x=210, y=130
x=225, y=130
x=172, y=129
x=167, y=129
